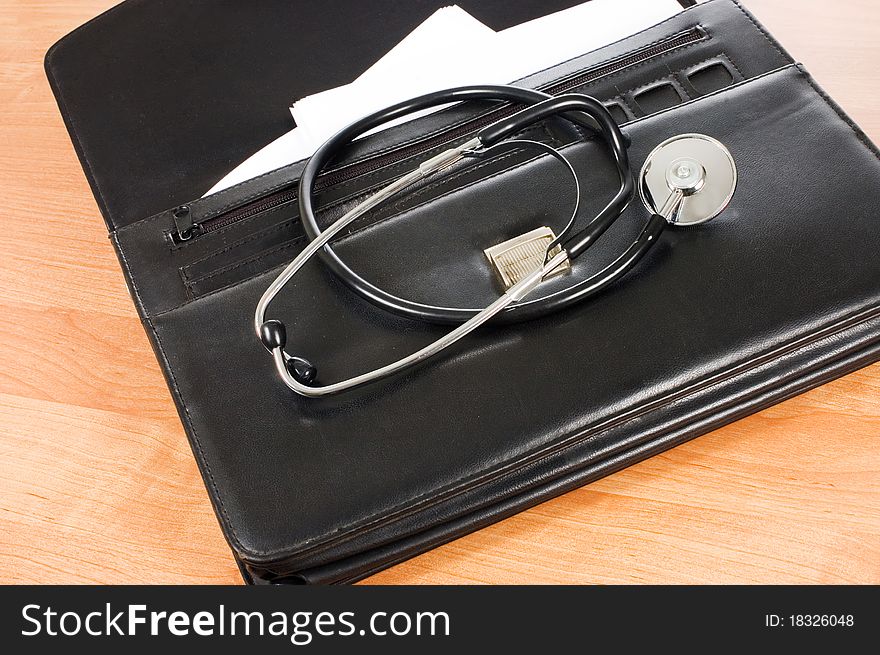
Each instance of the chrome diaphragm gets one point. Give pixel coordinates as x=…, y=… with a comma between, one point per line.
x=688, y=179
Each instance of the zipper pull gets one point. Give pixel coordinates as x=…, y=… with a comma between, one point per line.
x=183, y=222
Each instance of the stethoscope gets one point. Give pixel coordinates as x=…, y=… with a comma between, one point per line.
x=686, y=180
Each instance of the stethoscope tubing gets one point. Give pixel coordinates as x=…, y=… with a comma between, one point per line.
x=580, y=109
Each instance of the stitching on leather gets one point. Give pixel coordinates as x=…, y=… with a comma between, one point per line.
x=719, y=56
x=191, y=286
x=202, y=460
x=627, y=69
x=415, y=504
x=679, y=88
x=622, y=99
x=773, y=42
x=733, y=63
x=669, y=78
x=860, y=135
x=237, y=244
x=729, y=87
x=248, y=260
x=227, y=524
x=128, y=275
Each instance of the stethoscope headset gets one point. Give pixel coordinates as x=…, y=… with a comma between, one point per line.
x=686, y=180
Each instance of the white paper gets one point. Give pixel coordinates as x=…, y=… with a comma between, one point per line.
x=452, y=48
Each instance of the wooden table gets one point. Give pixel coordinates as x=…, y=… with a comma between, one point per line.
x=98, y=485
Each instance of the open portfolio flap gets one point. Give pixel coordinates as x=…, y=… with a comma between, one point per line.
x=777, y=295
x=165, y=97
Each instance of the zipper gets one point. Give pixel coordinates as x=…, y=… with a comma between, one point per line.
x=186, y=228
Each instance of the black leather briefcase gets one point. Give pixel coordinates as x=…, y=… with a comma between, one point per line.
x=779, y=294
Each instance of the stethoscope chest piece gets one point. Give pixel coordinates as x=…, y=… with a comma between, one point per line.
x=688, y=179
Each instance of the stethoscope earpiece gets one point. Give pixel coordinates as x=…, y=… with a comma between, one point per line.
x=273, y=334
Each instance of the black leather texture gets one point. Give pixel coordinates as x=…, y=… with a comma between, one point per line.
x=777, y=295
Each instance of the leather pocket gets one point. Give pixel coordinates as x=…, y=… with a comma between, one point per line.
x=280, y=237
x=243, y=259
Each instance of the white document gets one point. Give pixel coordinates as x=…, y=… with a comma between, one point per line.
x=452, y=48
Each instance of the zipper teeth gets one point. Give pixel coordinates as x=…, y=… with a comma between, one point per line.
x=344, y=173
x=626, y=61
x=277, y=199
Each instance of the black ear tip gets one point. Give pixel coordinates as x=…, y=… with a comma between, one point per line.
x=273, y=335
x=302, y=370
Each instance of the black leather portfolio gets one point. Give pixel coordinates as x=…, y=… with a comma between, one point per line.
x=777, y=295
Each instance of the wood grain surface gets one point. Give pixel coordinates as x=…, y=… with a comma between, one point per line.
x=98, y=485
